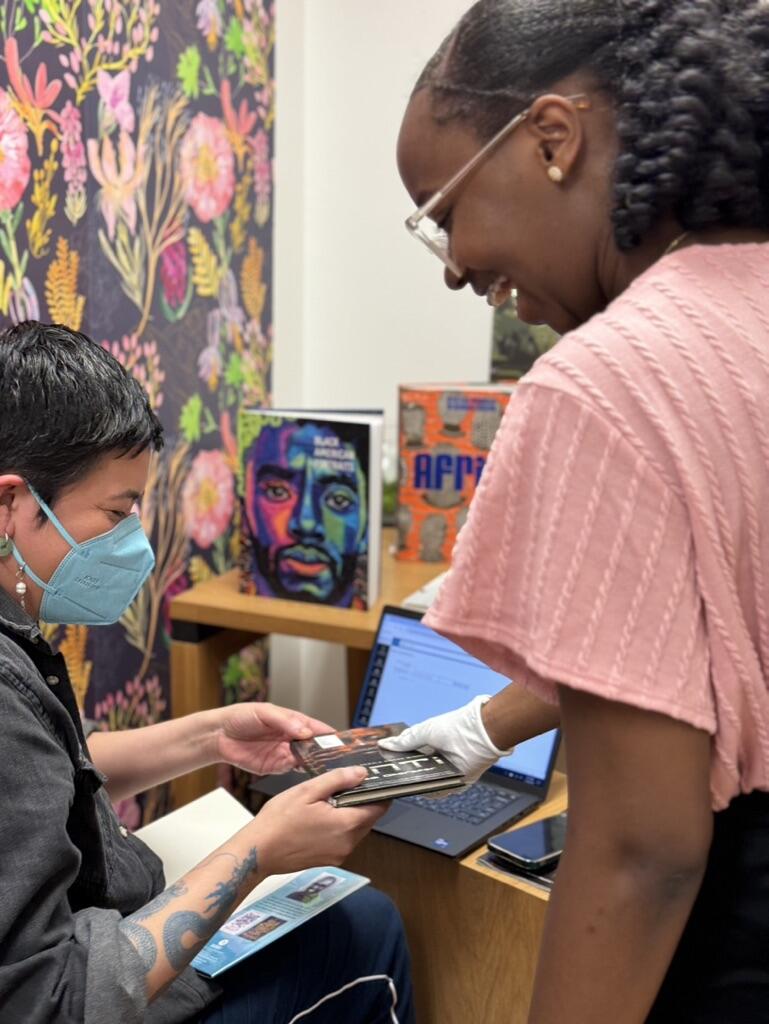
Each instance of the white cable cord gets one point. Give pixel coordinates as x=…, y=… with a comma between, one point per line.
x=349, y=985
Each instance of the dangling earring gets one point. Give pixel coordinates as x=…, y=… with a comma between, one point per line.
x=6, y=546
x=21, y=587
x=555, y=174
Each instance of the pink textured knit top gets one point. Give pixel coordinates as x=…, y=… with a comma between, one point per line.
x=619, y=539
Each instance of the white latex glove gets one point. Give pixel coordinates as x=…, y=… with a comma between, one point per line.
x=460, y=735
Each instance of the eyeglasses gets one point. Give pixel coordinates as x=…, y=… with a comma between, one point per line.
x=435, y=238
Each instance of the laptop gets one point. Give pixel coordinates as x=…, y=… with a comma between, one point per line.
x=413, y=674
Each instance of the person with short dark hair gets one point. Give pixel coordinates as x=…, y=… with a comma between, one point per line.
x=88, y=931
x=609, y=161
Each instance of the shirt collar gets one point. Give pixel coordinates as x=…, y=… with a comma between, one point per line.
x=14, y=618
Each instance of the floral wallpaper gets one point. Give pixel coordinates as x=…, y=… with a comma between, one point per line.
x=136, y=145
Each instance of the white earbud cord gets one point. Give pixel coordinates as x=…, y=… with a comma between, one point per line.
x=345, y=988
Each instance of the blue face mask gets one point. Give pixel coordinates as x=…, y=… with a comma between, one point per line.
x=97, y=580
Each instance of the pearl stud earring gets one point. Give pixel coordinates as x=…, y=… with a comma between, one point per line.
x=555, y=174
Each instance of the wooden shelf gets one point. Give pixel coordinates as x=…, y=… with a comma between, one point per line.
x=218, y=602
x=555, y=803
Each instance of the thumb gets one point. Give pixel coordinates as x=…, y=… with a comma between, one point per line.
x=409, y=739
x=326, y=785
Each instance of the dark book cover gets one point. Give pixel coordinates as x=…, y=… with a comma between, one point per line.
x=390, y=773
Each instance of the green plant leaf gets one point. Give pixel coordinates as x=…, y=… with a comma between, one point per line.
x=209, y=86
x=233, y=39
x=210, y=426
x=188, y=72
x=189, y=418
x=233, y=375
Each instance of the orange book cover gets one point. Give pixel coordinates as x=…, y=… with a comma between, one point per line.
x=445, y=432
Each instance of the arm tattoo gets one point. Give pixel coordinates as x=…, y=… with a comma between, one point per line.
x=221, y=899
x=224, y=894
x=160, y=902
x=143, y=941
x=141, y=938
x=174, y=930
x=177, y=925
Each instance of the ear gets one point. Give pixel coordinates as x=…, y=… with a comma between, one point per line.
x=10, y=485
x=556, y=124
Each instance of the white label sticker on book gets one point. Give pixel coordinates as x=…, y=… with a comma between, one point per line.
x=326, y=742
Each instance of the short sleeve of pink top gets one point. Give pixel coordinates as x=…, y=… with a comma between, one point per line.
x=619, y=539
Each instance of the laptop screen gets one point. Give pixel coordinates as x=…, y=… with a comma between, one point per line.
x=414, y=674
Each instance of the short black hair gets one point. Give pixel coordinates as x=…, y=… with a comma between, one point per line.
x=689, y=80
x=65, y=402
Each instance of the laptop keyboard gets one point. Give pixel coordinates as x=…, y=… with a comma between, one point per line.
x=474, y=806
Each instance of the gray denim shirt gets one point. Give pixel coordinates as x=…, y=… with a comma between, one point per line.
x=68, y=871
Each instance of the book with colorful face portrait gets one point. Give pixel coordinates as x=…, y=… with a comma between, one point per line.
x=311, y=493
x=389, y=774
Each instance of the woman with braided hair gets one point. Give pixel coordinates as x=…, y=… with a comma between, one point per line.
x=609, y=161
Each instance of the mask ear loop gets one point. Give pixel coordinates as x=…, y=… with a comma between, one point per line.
x=6, y=548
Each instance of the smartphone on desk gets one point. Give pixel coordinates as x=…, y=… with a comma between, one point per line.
x=534, y=847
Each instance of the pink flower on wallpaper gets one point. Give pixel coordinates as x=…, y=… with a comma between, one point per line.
x=115, y=93
x=173, y=273
x=242, y=122
x=35, y=102
x=207, y=167
x=210, y=365
x=72, y=148
x=208, y=498
x=209, y=20
x=119, y=182
x=73, y=161
x=14, y=158
x=260, y=149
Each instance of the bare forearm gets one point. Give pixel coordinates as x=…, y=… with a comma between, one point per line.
x=137, y=759
x=515, y=715
x=172, y=928
x=610, y=934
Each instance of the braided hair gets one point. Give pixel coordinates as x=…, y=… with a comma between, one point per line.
x=689, y=81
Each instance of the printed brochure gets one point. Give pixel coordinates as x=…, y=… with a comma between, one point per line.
x=258, y=924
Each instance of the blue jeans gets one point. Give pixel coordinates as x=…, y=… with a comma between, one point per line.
x=348, y=965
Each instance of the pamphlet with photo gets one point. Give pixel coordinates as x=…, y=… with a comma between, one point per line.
x=258, y=924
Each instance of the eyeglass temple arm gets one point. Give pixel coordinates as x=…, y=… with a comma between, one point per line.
x=582, y=102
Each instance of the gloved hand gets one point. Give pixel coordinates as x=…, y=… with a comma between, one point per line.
x=460, y=735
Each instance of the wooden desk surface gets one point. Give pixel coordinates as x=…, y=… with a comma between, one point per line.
x=474, y=933
x=555, y=803
x=217, y=602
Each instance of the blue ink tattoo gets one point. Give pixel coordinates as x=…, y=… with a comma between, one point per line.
x=184, y=922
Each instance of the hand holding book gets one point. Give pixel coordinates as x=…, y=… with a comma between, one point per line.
x=388, y=774
x=461, y=734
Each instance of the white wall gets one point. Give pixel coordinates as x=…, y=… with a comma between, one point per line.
x=358, y=306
